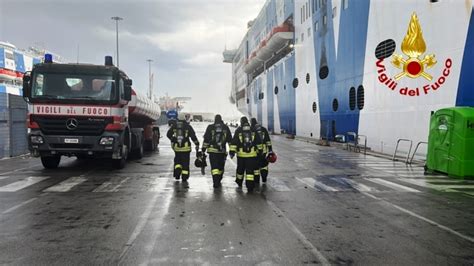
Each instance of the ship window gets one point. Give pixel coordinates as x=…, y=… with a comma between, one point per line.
x=9, y=55
x=307, y=78
x=307, y=10
x=248, y=101
x=304, y=13
x=309, y=32
x=302, y=37
x=261, y=96
x=295, y=83
x=316, y=26
x=345, y=4
x=385, y=49
x=352, y=98
x=325, y=20
x=312, y=5
x=315, y=107
x=284, y=87
x=276, y=90
x=323, y=72
x=334, y=11
x=335, y=105
x=301, y=15
x=360, y=97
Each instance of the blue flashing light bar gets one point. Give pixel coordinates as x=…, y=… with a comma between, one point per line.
x=48, y=58
x=109, y=61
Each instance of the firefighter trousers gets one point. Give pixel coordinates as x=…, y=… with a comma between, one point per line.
x=248, y=168
x=217, y=161
x=181, y=165
x=263, y=169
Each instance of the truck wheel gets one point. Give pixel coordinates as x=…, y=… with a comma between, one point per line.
x=120, y=163
x=50, y=162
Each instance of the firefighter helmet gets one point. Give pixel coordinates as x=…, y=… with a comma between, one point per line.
x=198, y=162
x=271, y=157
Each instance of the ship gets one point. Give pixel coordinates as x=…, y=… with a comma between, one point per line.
x=327, y=69
x=14, y=62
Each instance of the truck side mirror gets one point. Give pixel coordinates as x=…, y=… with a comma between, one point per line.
x=127, y=93
x=27, y=85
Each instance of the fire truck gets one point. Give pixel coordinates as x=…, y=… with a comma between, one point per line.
x=87, y=111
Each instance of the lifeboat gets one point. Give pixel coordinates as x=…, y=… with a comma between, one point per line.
x=276, y=40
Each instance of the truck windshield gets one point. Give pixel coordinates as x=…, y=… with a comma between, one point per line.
x=73, y=88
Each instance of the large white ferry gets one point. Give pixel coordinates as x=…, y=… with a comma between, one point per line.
x=321, y=68
x=15, y=62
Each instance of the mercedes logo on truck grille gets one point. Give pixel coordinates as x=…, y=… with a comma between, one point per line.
x=72, y=123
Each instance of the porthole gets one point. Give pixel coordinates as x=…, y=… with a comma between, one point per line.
x=276, y=90
x=385, y=49
x=295, y=83
x=360, y=97
x=335, y=105
x=323, y=72
x=307, y=78
x=315, y=107
x=352, y=98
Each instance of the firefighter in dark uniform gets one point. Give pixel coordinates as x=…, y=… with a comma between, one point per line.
x=215, y=139
x=246, y=144
x=180, y=134
x=266, y=148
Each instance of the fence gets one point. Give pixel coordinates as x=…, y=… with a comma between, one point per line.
x=13, y=132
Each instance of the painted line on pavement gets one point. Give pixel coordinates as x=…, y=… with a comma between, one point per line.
x=143, y=221
x=67, y=184
x=319, y=186
x=392, y=185
x=300, y=235
x=13, y=187
x=18, y=206
x=454, y=232
x=19, y=169
x=468, y=238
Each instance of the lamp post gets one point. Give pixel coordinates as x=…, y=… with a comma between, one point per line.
x=116, y=34
x=150, y=89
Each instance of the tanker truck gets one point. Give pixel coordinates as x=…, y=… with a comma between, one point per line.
x=87, y=111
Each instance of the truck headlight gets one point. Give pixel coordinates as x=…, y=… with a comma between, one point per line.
x=36, y=140
x=106, y=141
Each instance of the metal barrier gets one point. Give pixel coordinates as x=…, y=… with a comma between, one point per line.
x=356, y=142
x=416, y=148
x=352, y=143
x=396, y=149
x=365, y=142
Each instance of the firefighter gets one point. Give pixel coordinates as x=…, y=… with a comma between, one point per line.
x=215, y=139
x=266, y=149
x=180, y=134
x=246, y=144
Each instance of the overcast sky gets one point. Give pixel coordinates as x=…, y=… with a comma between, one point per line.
x=185, y=38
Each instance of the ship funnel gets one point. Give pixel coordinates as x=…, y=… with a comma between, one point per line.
x=109, y=61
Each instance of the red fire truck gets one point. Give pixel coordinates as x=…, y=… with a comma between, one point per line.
x=88, y=111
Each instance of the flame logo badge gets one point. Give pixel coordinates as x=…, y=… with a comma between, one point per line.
x=414, y=46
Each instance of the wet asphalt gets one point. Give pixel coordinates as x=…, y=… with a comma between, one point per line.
x=321, y=205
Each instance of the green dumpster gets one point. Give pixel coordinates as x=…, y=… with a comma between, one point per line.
x=451, y=142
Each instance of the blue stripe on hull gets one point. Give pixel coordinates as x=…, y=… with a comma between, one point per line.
x=287, y=99
x=269, y=97
x=465, y=95
x=346, y=70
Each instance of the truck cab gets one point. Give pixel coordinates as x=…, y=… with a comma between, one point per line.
x=78, y=110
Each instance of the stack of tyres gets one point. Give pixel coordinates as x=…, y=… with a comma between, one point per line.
x=451, y=142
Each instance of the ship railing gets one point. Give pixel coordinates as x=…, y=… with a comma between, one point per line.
x=394, y=158
x=416, y=149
